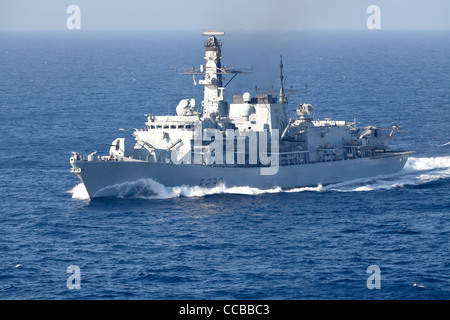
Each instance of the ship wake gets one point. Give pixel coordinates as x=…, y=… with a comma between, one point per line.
x=417, y=171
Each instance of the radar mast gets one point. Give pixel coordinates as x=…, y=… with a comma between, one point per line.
x=214, y=104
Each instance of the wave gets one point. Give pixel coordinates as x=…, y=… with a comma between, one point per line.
x=79, y=192
x=417, y=171
x=445, y=144
x=151, y=189
x=433, y=163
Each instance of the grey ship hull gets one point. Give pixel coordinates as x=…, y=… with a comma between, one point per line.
x=105, y=178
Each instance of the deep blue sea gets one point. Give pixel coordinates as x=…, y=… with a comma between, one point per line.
x=79, y=90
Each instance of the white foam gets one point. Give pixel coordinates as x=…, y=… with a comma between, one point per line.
x=150, y=189
x=79, y=192
x=418, y=164
x=363, y=188
x=318, y=189
x=417, y=171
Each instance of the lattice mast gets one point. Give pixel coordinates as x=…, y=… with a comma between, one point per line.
x=213, y=104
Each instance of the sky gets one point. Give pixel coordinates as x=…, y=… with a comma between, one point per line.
x=235, y=15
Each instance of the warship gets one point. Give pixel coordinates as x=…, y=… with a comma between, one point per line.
x=249, y=142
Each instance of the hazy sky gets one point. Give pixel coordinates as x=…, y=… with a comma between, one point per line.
x=223, y=14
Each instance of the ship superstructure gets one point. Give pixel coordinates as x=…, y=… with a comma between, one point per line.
x=249, y=142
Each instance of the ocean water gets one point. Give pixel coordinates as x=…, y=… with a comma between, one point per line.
x=77, y=91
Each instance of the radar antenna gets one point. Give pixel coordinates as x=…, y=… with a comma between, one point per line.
x=213, y=94
x=282, y=93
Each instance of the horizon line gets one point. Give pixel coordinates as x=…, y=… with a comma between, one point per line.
x=233, y=30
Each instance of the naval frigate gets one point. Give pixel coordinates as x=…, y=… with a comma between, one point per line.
x=249, y=142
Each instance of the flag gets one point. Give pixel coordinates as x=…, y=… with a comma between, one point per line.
x=193, y=78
